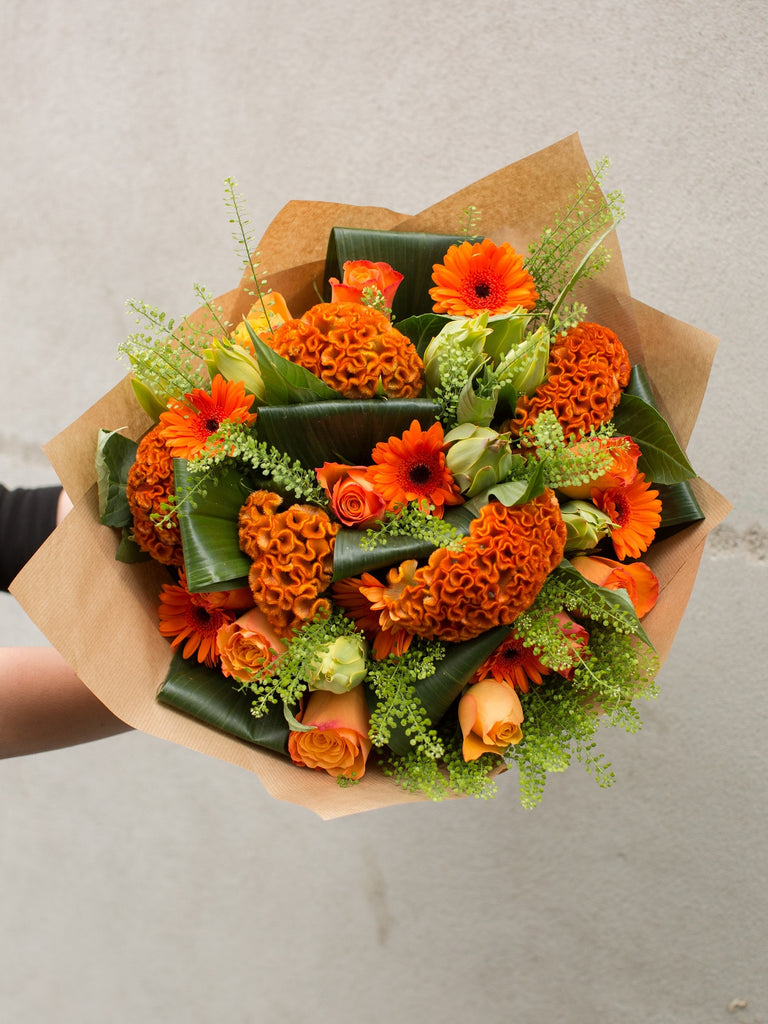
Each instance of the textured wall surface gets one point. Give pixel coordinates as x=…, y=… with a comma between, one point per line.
x=142, y=882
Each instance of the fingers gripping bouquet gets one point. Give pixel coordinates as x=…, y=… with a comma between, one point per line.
x=408, y=526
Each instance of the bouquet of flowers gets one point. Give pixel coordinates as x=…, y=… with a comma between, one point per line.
x=398, y=513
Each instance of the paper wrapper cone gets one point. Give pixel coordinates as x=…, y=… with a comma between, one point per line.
x=102, y=614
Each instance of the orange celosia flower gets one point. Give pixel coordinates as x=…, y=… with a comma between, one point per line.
x=353, y=348
x=291, y=556
x=495, y=576
x=587, y=369
x=193, y=619
x=150, y=483
x=412, y=468
x=514, y=664
x=481, y=276
x=186, y=426
x=636, y=512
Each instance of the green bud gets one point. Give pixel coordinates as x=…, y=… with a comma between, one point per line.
x=234, y=362
x=339, y=665
x=506, y=333
x=463, y=333
x=525, y=366
x=585, y=525
x=478, y=457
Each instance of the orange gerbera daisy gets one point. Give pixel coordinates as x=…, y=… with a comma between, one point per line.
x=514, y=664
x=187, y=424
x=193, y=619
x=636, y=513
x=481, y=276
x=412, y=468
x=385, y=640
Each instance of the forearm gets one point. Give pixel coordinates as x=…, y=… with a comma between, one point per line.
x=43, y=705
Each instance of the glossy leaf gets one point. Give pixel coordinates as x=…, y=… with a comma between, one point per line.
x=420, y=330
x=662, y=459
x=344, y=431
x=207, y=695
x=285, y=382
x=212, y=556
x=115, y=455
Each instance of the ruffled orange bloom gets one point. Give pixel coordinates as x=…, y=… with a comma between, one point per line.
x=587, y=369
x=636, y=513
x=495, y=576
x=514, y=664
x=637, y=579
x=186, y=426
x=481, y=276
x=150, y=484
x=291, y=556
x=412, y=468
x=353, y=348
x=193, y=619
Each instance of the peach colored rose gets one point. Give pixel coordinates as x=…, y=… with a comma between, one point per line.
x=622, y=471
x=246, y=646
x=339, y=743
x=354, y=500
x=362, y=274
x=637, y=579
x=490, y=714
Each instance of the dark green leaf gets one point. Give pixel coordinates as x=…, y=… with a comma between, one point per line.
x=662, y=460
x=128, y=550
x=212, y=556
x=115, y=455
x=679, y=506
x=208, y=696
x=344, y=431
x=350, y=558
x=422, y=329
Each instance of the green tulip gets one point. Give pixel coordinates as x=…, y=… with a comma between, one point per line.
x=234, y=362
x=478, y=457
x=585, y=525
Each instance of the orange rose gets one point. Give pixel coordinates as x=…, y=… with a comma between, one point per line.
x=637, y=579
x=621, y=472
x=362, y=274
x=490, y=714
x=339, y=743
x=247, y=646
x=354, y=500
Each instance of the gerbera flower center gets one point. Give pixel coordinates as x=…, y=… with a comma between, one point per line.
x=204, y=621
x=484, y=290
x=211, y=424
x=420, y=474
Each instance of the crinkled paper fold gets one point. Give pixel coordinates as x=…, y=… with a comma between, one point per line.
x=101, y=614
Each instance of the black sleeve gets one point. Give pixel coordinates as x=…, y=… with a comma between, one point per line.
x=26, y=519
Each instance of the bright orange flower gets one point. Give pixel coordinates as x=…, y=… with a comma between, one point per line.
x=514, y=664
x=187, y=425
x=193, y=619
x=636, y=512
x=412, y=468
x=495, y=576
x=354, y=349
x=481, y=276
x=637, y=579
x=621, y=471
x=588, y=367
x=385, y=636
x=149, y=486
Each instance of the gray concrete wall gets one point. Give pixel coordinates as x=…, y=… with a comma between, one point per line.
x=140, y=882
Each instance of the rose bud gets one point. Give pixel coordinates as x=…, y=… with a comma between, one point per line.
x=354, y=500
x=490, y=714
x=361, y=274
x=338, y=665
x=338, y=741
